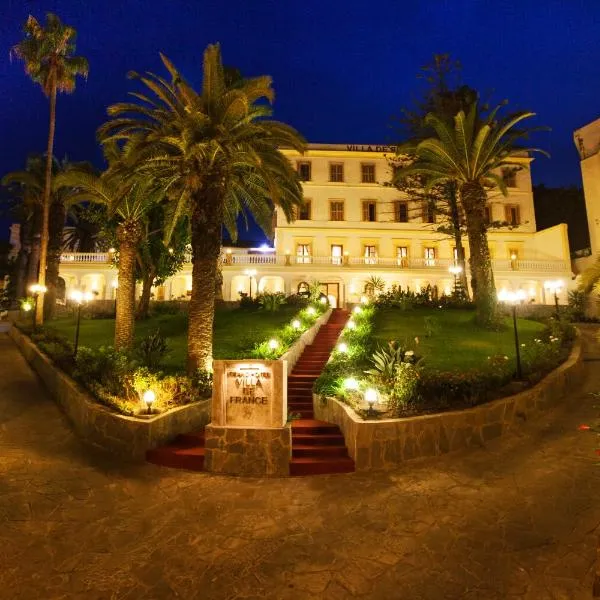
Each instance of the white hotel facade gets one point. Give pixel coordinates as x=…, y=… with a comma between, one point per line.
x=354, y=227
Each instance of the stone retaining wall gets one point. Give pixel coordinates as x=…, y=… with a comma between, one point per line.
x=385, y=443
x=125, y=436
x=308, y=337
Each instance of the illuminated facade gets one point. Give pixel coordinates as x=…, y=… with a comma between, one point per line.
x=354, y=226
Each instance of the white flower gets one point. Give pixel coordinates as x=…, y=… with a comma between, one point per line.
x=409, y=353
x=522, y=345
x=505, y=357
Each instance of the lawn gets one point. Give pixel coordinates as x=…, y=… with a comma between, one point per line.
x=455, y=343
x=235, y=332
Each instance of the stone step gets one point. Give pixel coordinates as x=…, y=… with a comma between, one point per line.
x=190, y=458
x=319, y=451
x=320, y=439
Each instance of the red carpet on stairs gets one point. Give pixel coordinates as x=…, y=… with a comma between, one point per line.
x=317, y=447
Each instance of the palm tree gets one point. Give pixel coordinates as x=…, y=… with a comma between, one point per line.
x=216, y=154
x=48, y=56
x=470, y=152
x=26, y=186
x=128, y=199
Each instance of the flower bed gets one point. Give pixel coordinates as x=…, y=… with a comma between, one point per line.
x=392, y=380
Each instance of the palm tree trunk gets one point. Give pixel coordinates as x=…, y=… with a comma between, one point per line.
x=144, y=303
x=55, y=244
x=128, y=236
x=207, y=219
x=473, y=198
x=456, y=229
x=39, y=315
x=23, y=259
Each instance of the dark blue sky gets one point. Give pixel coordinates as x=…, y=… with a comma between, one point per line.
x=340, y=69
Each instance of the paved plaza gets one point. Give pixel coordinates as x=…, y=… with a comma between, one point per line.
x=517, y=519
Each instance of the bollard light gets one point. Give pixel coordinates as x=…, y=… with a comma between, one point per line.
x=351, y=324
x=296, y=324
x=351, y=384
x=370, y=399
x=357, y=310
x=311, y=310
x=342, y=347
x=149, y=397
x=514, y=298
x=273, y=344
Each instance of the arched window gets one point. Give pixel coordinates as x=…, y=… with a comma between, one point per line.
x=303, y=289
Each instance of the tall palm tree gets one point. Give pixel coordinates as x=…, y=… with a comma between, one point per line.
x=128, y=200
x=47, y=52
x=216, y=153
x=470, y=151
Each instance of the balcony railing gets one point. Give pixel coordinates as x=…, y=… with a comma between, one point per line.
x=400, y=264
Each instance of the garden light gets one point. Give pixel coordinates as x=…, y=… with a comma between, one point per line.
x=27, y=306
x=357, y=310
x=351, y=324
x=343, y=347
x=351, y=384
x=514, y=298
x=273, y=344
x=250, y=273
x=36, y=289
x=149, y=397
x=311, y=310
x=111, y=250
x=79, y=297
x=370, y=399
x=323, y=300
x=296, y=324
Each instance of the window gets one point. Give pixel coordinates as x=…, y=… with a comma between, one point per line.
x=303, y=254
x=487, y=214
x=402, y=256
x=304, y=170
x=336, y=210
x=510, y=177
x=429, y=257
x=303, y=289
x=369, y=210
x=370, y=255
x=512, y=214
x=336, y=172
x=304, y=213
x=428, y=213
x=368, y=173
x=337, y=252
x=400, y=211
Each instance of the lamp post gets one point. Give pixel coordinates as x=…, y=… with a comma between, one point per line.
x=36, y=289
x=79, y=298
x=555, y=287
x=115, y=286
x=456, y=270
x=250, y=273
x=514, y=298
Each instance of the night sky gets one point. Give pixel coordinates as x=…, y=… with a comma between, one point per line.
x=340, y=69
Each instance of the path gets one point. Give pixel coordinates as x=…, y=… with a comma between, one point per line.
x=518, y=519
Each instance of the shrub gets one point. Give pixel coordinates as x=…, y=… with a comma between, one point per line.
x=152, y=350
x=105, y=367
x=404, y=387
x=271, y=302
x=166, y=307
x=247, y=303
x=299, y=300
x=203, y=382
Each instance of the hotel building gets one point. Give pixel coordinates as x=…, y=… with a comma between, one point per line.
x=355, y=226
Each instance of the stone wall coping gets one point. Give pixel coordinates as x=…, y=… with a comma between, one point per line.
x=126, y=435
x=383, y=443
x=307, y=338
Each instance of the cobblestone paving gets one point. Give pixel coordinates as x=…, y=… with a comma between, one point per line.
x=516, y=519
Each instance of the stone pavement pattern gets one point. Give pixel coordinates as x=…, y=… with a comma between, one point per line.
x=516, y=519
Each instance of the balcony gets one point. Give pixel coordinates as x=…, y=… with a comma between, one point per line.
x=345, y=262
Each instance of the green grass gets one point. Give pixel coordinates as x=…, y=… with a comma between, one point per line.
x=458, y=343
x=235, y=332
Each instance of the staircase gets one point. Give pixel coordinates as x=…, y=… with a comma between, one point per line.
x=317, y=447
x=186, y=451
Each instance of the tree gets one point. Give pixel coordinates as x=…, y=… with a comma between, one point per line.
x=470, y=152
x=129, y=199
x=27, y=190
x=444, y=97
x=48, y=56
x=216, y=154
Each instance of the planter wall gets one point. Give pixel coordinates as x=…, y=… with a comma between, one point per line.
x=386, y=443
x=125, y=436
x=307, y=338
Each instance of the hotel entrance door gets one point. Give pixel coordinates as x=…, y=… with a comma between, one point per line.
x=332, y=291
